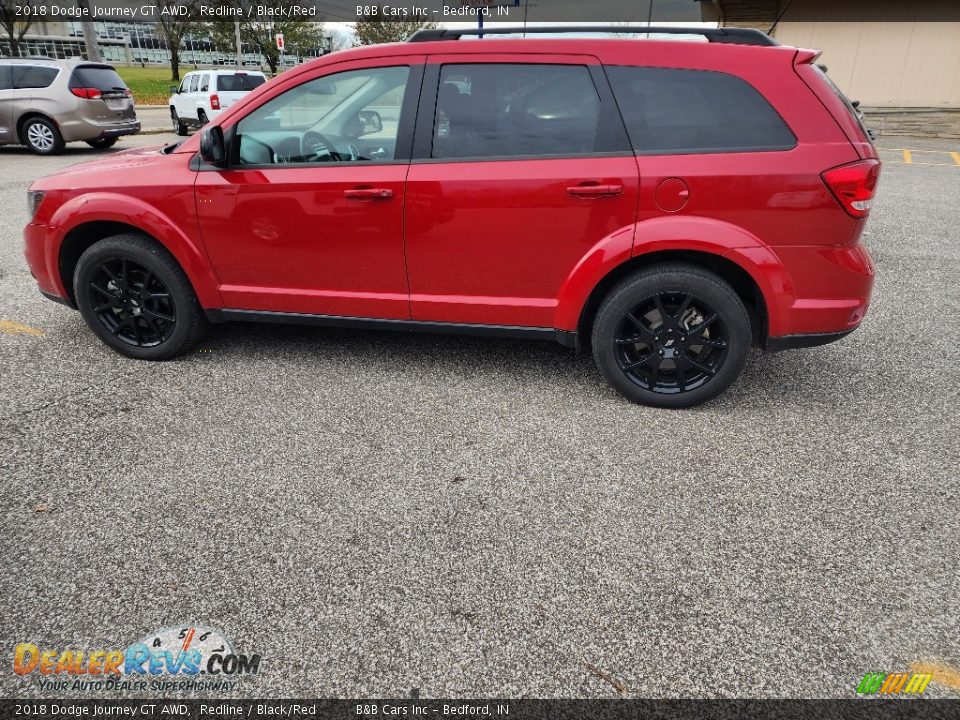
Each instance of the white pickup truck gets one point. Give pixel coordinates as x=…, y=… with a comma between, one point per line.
x=204, y=93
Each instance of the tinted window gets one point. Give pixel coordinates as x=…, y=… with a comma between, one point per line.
x=104, y=79
x=668, y=110
x=5, y=77
x=204, y=83
x=239, y=82
x=352, y=116
x=33, y=76
x=501, y=110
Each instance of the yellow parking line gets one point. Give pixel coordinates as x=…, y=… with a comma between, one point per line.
x=907, y=157
x=956, y=157
x=942, y=674
x=9, y=327
x=901, y=162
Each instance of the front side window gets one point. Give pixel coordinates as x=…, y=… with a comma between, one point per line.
x=671, y=110
x=194, y=83
x=352, y=116
x=510, y=110
x=33, y=76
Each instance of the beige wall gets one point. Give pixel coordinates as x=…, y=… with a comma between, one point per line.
x=883, y=64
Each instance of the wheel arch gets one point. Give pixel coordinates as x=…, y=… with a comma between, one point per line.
x=737, y=276
x=93, y=219
x=29, y=115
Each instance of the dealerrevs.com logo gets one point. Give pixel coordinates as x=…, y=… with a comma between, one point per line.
x=180, y=658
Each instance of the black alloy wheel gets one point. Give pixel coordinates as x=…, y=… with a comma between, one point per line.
x=672, y=335
x=137, y=299
x=132, y=303
x=671, y=342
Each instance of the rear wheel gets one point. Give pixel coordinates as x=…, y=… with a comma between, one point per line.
x=137, y=299
x=41, y=136
x=202, y=117
x=178, y=125
x=102, y=143
x=671, y=336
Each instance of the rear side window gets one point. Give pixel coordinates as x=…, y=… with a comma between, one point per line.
x=204, y=83
x=670, y=110
x=103, y=78
x=503, y=110
x=32, y=76
x=239, y=82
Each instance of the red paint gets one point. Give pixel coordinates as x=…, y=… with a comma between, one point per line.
x=505, y=242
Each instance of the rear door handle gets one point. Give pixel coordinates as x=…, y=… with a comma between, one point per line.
x=595, y=190
x=368, y=194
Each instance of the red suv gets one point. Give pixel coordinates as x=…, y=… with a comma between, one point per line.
x=668, y=203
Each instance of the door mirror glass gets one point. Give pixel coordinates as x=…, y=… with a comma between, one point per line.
x=370, y=122
x=174, y=89
x=212, y=146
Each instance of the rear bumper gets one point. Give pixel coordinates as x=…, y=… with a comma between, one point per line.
x=85, y=129
x=795, y=342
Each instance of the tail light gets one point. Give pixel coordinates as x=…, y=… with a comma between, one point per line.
x=214, y=102
x=854, y=185
x=87, y=93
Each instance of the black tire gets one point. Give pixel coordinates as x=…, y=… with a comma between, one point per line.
x=137, y=299
x=102, y=143
x=179, y=127
x=671, y=336
x=41, y=136
x=202, y=117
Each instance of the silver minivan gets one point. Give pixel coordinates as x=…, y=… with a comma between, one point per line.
x=46, y=103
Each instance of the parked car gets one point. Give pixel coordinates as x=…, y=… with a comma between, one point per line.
x=203, y=95
x=667, y=204
x=47, y=103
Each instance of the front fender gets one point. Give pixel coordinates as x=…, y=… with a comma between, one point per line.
x=113, y=207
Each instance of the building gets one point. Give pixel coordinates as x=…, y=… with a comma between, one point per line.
x=901, y=60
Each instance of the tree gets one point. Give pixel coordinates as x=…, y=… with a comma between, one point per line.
x=173, y=31
x=13, y=25
x=373, y=31
x=298, y=35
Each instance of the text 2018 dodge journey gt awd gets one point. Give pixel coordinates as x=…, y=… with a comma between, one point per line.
x=666, y=203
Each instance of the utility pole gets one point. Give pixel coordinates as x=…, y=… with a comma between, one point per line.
x=236, y=32
x=89, y=33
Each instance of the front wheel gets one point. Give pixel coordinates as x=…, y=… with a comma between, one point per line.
x=179, y=127
x=671, y=336
x=137, y=299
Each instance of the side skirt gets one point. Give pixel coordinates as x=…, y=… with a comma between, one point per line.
x=566, y=338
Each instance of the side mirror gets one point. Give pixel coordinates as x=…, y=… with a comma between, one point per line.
x=174, y=89
x=371, y=122
x=213, y=149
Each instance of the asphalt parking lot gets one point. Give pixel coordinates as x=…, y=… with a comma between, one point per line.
x=375, y=512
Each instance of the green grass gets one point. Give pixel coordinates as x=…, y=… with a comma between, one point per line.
x=150, y=85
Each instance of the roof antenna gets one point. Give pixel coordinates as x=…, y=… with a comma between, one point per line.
x=780, y=17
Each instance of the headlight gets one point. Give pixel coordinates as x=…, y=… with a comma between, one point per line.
x=34, y=198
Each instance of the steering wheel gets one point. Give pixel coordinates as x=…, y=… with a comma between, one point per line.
x=316, y=147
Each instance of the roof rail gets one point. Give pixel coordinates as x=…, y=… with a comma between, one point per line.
x=736, y=36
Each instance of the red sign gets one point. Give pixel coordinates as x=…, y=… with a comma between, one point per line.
x=279, y=41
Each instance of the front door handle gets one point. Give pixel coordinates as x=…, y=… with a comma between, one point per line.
x=368, y=194
x=595, y=190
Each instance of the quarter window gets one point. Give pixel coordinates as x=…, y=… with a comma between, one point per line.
x=352, y=116
x=509, y=110
x=669, y=110
x=33, y=76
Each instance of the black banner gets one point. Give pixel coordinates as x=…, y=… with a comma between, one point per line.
x=493, y=11
x=412, y=709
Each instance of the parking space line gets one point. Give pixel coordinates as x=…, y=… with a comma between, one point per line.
x=942, y=674
x=956, y=157
x=9, y=327
x=907, y=157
